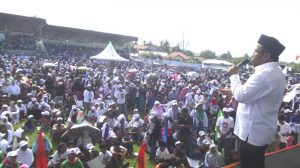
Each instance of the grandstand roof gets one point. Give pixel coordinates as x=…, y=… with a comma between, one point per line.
x=17, y=23
x=24, y=24
x=60, y=33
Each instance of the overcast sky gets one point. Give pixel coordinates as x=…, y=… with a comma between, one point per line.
x=217, y=25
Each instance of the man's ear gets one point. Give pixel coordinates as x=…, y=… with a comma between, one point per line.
x=267, y=57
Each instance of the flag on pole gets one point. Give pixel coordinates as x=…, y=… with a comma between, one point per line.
x=165, y=133
x=220, y=114
x=142, y=156
x=41, y=158
x=297, y=58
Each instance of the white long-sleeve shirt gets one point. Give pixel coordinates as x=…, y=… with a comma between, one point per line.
x=88, y=96
x=259, y=100
x=25, y=157
x=14, y=90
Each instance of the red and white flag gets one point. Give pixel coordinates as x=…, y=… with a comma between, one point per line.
x=297, y=58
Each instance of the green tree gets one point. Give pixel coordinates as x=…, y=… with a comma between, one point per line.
x=165, y=46
x=208, y=54
x=226, y=56
x=188, y=53
x=176, y=48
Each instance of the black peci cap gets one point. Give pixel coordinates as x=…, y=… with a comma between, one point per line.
x=272, y=44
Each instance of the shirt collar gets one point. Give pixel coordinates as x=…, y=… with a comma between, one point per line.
x=266, y=65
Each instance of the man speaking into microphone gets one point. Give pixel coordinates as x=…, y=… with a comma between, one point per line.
x=259, y=101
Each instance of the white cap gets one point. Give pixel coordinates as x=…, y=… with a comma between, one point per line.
x=201, y=133
x=77, y=150
x=135, y=110
x=288, y=111
x=30, y=116
x=33, y=99
x=12, y=153
x=173, y=88
x=18, y=133
x=156, y=102
x=23, y=143
x=71, y=151
x=225, y=109
x=174, y=102
x=89, y=146
x=177, y=142
x=45, y=113
x=73, y=107
x=93, y=108
x=59, y=119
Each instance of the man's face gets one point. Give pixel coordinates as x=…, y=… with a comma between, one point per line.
x=72, y=156
x=24, y=148
x=226, y=114
x=258, y=56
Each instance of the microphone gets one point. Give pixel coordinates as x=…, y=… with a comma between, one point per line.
x=241, y=64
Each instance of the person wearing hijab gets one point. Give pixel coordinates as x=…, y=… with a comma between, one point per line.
x=25, y=155
x=14, y=114
x=213, y=158
x=157, y=109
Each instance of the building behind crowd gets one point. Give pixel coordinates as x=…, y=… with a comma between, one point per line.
x=31, y=36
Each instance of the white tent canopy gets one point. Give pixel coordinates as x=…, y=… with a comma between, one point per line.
x=217, y=62
x=108, y=54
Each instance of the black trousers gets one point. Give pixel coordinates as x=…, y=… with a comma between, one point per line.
x=251, y=156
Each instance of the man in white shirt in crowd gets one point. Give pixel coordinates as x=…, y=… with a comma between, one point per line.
x=22, y=108
x=120, y=95
x=225, y=125
x=284, y=132
x=259, y=101
x=104, y=155
x=88, y=98
x=25, y=155
x=13, y=91
x=161, y=153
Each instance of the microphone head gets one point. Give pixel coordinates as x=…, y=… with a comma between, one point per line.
x=245, y=62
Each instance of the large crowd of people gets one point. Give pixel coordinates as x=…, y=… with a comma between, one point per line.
x=25, y=42
x=68, y=50
x=176, y=114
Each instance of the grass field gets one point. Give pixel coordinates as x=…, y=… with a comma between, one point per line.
x=32, y=137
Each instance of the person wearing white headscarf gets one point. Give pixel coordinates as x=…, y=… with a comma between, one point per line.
x=25, y=155
x=213, y=158
x=121, y=122
x=157, y=109
x=102, y=109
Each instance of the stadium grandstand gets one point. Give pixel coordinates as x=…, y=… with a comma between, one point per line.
x=31, y=36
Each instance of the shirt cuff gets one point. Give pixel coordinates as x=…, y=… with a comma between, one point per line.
x=234, y=77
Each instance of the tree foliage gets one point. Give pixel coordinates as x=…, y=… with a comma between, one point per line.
x=208, y=54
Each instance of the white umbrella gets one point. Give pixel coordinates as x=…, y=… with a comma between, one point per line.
x=192, y=74
x=77, y=129
x=84, y=68
x=49, y=64
x=132, y=70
